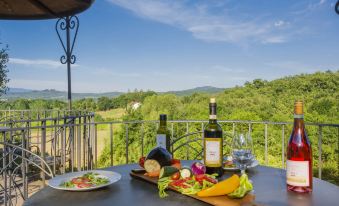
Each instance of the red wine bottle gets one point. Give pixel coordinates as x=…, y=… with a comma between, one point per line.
x=299, y=155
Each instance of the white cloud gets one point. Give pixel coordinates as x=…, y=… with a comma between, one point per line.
x=275, y=40
x=321, y=2
x=110, y=72
x=203, y=23
x=281, y=23
x=46, y=63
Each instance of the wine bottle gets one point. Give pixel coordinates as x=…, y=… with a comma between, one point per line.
x=163, y=135
x=213, y=140
x=299, y=155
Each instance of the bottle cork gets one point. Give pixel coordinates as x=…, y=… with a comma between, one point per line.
x=298, y=107
x=212, y=100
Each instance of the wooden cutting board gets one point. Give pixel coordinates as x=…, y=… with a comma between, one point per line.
x=218, y=201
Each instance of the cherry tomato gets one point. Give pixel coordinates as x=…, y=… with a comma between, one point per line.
x=142, y=161
x=175, y=161
x=177, y=165
x=175, y=176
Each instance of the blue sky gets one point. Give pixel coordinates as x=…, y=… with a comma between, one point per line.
x=177, y=44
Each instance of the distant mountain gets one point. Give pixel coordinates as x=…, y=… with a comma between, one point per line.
x=18, y=90
x=16, y=93
x=204, y=89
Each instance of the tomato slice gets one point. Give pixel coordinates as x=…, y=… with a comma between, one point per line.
x=175, y=176
x=85, y=180
x=200, y=177
x=77, y=180
x=212, y=180
x=84, y=185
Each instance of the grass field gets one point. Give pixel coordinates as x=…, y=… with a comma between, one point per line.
x=113, y=114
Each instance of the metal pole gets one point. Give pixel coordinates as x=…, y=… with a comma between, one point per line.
x=172, y=138
x=266, y=158
x=187, y=150
x=126, y=133
x=4, y=163
x=283, y=146
x=43, y=151
x=338, y=147
x=320, y=163
x=79, y=145
x=95, y=138
x=111, y=142
x=24, y=167
x=142, y=139
x=68, y=53
x=67, y=24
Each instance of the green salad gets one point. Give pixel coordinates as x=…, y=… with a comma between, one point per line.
x=87, y=180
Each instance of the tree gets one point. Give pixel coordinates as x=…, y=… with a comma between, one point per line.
x=3, y=70
x=104, y=103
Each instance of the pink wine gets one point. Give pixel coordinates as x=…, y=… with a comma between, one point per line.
x=299, y=155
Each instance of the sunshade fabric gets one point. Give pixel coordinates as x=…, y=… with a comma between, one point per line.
x=41, y=9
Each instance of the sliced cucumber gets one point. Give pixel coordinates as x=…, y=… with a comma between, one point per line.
x=167, y=171
x=185, y=172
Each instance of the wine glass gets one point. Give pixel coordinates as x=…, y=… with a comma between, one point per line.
x=242, y=151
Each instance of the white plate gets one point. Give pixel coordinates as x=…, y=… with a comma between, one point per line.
x=56, y=181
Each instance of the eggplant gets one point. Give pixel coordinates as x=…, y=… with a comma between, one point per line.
x=161, y=155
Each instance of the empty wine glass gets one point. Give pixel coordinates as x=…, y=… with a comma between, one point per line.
x=242, y=151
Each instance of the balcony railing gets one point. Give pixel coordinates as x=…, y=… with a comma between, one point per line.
x=36, y=145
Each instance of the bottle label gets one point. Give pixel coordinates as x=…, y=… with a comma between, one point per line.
x=161, y=140
x=213, y=156
x=213, y=116
x=297, y=173
x=298, y=116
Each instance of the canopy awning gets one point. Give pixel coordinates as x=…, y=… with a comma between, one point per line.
x=41, y=9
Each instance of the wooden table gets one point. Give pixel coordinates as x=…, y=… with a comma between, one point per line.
x=269, y=190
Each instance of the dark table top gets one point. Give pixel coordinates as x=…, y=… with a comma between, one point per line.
x=269, y=190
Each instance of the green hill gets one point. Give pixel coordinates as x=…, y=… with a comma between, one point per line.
x=18, y=93
x=47, y=94
x=204, y=89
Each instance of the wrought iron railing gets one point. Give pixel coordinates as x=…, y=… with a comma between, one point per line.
x=69, y=142
x=230, y=128
x=34, y=144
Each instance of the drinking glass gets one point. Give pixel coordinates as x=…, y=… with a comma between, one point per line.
x=242, y=151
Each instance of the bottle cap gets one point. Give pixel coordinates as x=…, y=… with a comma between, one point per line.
x=298, y=107
x=163, y=117
x=212, y=100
